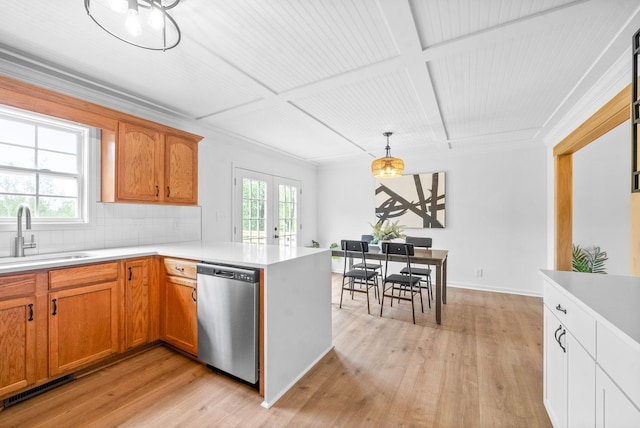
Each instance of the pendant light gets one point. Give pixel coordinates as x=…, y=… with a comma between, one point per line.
x=387, y=167
x=142, y=23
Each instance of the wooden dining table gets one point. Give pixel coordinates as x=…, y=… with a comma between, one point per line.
x=436, y=258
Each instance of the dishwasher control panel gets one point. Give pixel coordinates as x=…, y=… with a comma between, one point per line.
x=229, y=272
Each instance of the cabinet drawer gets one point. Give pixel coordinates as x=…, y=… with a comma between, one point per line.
x=183, y=268
x=17, y=285
x=577, y=320
x=619, y=357
x=82, y=275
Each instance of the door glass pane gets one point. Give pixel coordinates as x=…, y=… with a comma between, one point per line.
x=253, y=212
x=287, y=215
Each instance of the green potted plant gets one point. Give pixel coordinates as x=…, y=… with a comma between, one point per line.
x=386, y=231
x=588, y=260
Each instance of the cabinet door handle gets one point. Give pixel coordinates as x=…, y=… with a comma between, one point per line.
x=178, y=268
x=30, y=312
x=560, y=308
x=55, y=306
x=560, y=343
x=168, y=191
x=130, y=273
x=194, y=294
x=556, y=333
x=157, y=190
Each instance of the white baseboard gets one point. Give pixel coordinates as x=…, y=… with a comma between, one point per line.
x=493, y=289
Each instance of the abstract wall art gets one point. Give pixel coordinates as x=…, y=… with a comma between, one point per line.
x=417, y=201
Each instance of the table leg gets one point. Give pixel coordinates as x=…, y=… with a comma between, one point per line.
x=444, y=281
x=438, y=292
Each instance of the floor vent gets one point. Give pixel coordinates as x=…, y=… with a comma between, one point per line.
x=35, y=391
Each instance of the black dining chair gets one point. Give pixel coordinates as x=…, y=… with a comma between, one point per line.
x=425, y=273
x=407, y=285
x=369, y=265
x=365, y=277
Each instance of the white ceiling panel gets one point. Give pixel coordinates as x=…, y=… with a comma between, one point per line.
x=362, y=111
x=286, y=44
x=438, y=21
x=515, y=85
x=288, y=130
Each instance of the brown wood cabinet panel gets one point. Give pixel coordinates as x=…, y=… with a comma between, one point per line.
x=178, y=313
x=183, y=268
x=17, y=344
x=181, y=170
x=139, y=163
x=17, y=285
x=83, y=326
x=84, y=274
x=136, y=302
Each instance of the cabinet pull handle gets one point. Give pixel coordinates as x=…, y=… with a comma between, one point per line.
x=55, y=306
x=157, y=190
x=178, y=268
x=560, y=343
x=30, y=312
x=560, y=308
x=194, y=294
x=168, y=191
x=556, y=333
x=130, y=273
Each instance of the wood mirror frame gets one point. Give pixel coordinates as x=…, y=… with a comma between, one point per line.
x=609, y=116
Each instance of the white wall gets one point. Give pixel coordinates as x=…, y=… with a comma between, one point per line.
x=218, y=155
x=601, y=194
x=495, y=219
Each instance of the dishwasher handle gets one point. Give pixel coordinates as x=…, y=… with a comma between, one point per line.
x=223, y=273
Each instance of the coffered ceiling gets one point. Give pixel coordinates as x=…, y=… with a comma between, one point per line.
x=322, y=79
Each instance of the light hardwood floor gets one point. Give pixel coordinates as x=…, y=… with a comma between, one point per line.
x=482, y=367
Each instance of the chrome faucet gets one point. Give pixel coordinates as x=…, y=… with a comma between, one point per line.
x=19, y=241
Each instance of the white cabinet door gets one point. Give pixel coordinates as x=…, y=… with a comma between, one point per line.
x=613, y=408
x=581, y=384
x=555, y=371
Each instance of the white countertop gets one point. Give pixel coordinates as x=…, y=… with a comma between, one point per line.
x=615, y=298
x=234, y=253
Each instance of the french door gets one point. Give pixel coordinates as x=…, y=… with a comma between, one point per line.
x=265, y=208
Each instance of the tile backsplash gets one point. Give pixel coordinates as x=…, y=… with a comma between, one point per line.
x=116, y=225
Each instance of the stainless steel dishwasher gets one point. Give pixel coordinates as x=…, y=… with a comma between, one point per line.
x=228, y=319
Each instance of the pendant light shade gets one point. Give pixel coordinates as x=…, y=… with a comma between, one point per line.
x=387, y=166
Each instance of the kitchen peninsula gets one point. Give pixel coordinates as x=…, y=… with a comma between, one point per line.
x=295, y=297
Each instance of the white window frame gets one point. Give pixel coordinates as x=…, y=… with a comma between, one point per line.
x=88, y=172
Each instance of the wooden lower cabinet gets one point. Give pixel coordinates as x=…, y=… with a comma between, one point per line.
x=178, y=313
x=83, y=326
x=18, y=344
x=137, y=322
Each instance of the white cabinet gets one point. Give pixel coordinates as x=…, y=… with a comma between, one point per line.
x=569, y=377
x=613, y=408
x=591, y=368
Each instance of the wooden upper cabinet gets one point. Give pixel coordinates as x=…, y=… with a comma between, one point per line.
x=145, y=164
x=139, y=160
x=181, y=170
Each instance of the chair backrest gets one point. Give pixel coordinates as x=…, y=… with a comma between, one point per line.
x=366, y=238
x=361, y=247
x=419, y=241
x=395, y=248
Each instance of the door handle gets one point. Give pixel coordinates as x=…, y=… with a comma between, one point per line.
x=55, y=306
x=194, y=294
x=168, y=191
x=130, y=273
x=30, y=312
x=556, y=333
x=560, y=343
x=560, y=308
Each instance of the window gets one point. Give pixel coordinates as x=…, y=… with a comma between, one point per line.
x=43, y=164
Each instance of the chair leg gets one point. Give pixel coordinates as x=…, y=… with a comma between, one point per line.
x=420, y=291
x=366, y=290
x=413, y=311
x=341, y=292
x=382, y=301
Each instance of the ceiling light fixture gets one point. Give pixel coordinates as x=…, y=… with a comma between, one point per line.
x=387, y=167
x=142, y=23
